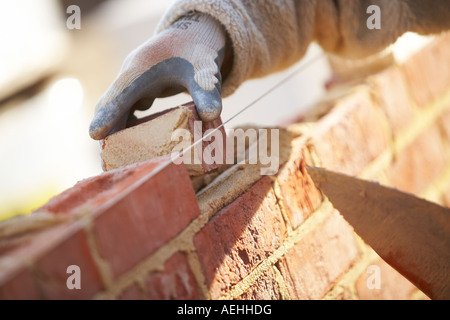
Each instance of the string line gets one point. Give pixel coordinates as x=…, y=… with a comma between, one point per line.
x=291, y=75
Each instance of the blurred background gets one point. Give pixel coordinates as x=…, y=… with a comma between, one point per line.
x=51, y=77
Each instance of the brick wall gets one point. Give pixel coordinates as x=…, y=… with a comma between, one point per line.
x=148, y=231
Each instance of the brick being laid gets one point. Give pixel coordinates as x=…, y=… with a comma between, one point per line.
x=168, y=132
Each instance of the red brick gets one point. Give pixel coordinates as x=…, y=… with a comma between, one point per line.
x=419, y=164
x=144, y=217
x=299, y=194
x=428, y=71
x=314, y=264
x=352, y=135
x=50, y=270
x=393, y=286
x=16, y=275
x=93, y=192
x=20, y=287
x=392, y=93
x=133, y=292
x=265, y=288
x=36, y=266
x=239, y=237
x=176, y=282
x=134, y=210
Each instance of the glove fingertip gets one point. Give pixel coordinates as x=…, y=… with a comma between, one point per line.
x=208, y=103
x=209, y=111
x=97, y=132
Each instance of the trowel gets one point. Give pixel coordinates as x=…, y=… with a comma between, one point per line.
x=410, y=234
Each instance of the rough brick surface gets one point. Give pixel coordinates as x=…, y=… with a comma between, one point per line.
x=93, y=192
x=155, y=138
x=352, y=135
x=393, y=95
x=51, y=270
x=312, y=266
x=20, y=287
x=133, y=292
x=43, y=256
x=417, y=166
x=154, y=212
x=428, y=71
x=176, y=282
x=239, y=237
x=299, y=195
x=265, y=288
x=392, y=285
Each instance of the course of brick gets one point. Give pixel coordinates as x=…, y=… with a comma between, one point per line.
x=144, y=232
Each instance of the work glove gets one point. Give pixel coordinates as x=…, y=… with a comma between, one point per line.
x=186, y=56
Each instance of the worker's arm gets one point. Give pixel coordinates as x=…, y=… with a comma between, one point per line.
x=270, y=35
x=267, y=36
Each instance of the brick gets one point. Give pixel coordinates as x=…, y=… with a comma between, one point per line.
x=153, y=210
x=393, y=286
x=50, y=270
x=133, y=292
x=36, y=267
x=20, y=250
x=265, y=288
x=298, y=192
x=428, y=71
x=176, y=282
x=152, y=204
x=136, y=209
x=153, y=138
x=392, y=92
x=20, y=287
x=419, y=164
x=94, y=192
x=314, y=264
x=239, y=237
x=352, y=135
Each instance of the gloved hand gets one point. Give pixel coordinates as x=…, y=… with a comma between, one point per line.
x=187, y=55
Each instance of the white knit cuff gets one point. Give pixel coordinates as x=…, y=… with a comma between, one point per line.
x=236, y=21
